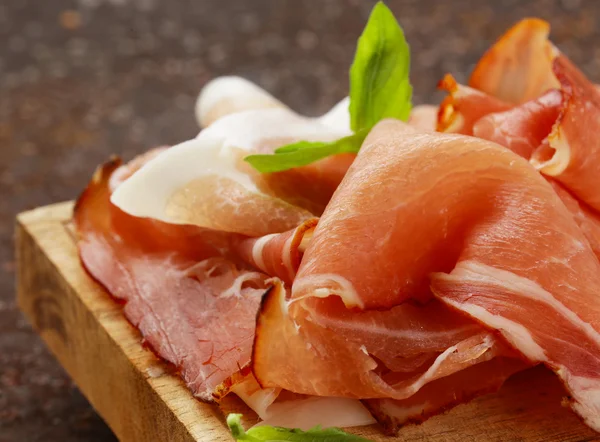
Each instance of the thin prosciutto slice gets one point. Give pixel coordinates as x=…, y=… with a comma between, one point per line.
x=572, y=150
x=551, y=130
x=523, y=128
x=391, y=353
x=517, y=68
x=482, y=242
x=524, y=67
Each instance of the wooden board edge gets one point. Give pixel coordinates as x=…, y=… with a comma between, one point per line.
x=53, y=213
x=138, y=397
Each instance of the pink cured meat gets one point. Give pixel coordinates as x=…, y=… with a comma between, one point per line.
x=482, y=242
x=186, y=288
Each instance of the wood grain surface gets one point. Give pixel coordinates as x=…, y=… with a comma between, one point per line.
x=141, y=400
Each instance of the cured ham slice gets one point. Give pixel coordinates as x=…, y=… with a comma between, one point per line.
x=174, y=189
x=523, y=128
x=517, y=68
x=547, y=129
x=390, y=353
x=444, y=393
x=464, y=106
x=185, y=288
x=482, y=242
x=572, y=151
x=193, y=306
x=278, y=255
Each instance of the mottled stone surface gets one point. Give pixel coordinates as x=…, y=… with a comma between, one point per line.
x=83, y=79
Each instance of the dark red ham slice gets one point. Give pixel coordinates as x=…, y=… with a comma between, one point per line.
x=194, y=305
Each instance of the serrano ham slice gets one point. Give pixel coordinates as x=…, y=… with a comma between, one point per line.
x=482, y=242
x=524, y=129
x=518, y=67
x=391, y=353
x=571, y=151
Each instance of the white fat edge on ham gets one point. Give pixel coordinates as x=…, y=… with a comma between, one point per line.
x=249, y=129
x=559, y=151
x=258, y=249
x=257, y=398
x=327, y=284
x=231, y=94
x=584, y=391
x=148, y=191
x=476, y=271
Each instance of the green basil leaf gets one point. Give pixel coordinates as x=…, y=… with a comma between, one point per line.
x=268, y=433
x=379, y=88
x=305, y=152
x=379, y=76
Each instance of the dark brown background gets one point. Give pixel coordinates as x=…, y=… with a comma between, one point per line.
x=81, y=80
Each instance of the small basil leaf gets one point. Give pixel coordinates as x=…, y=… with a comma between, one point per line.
x=268, y=433
x=379, y=76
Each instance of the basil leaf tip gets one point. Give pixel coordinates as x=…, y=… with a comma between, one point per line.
x=379, y=75
x=379, y=89
x=269, y=433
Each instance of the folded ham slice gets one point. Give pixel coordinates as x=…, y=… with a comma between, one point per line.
x=520, y=68
x=517, y=68
x=522, y=128
x=391, y=353
x=571, y=151
x=548, y=129
x=482, y=242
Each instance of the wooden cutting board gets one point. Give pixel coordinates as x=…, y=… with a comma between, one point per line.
x=141, y=400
